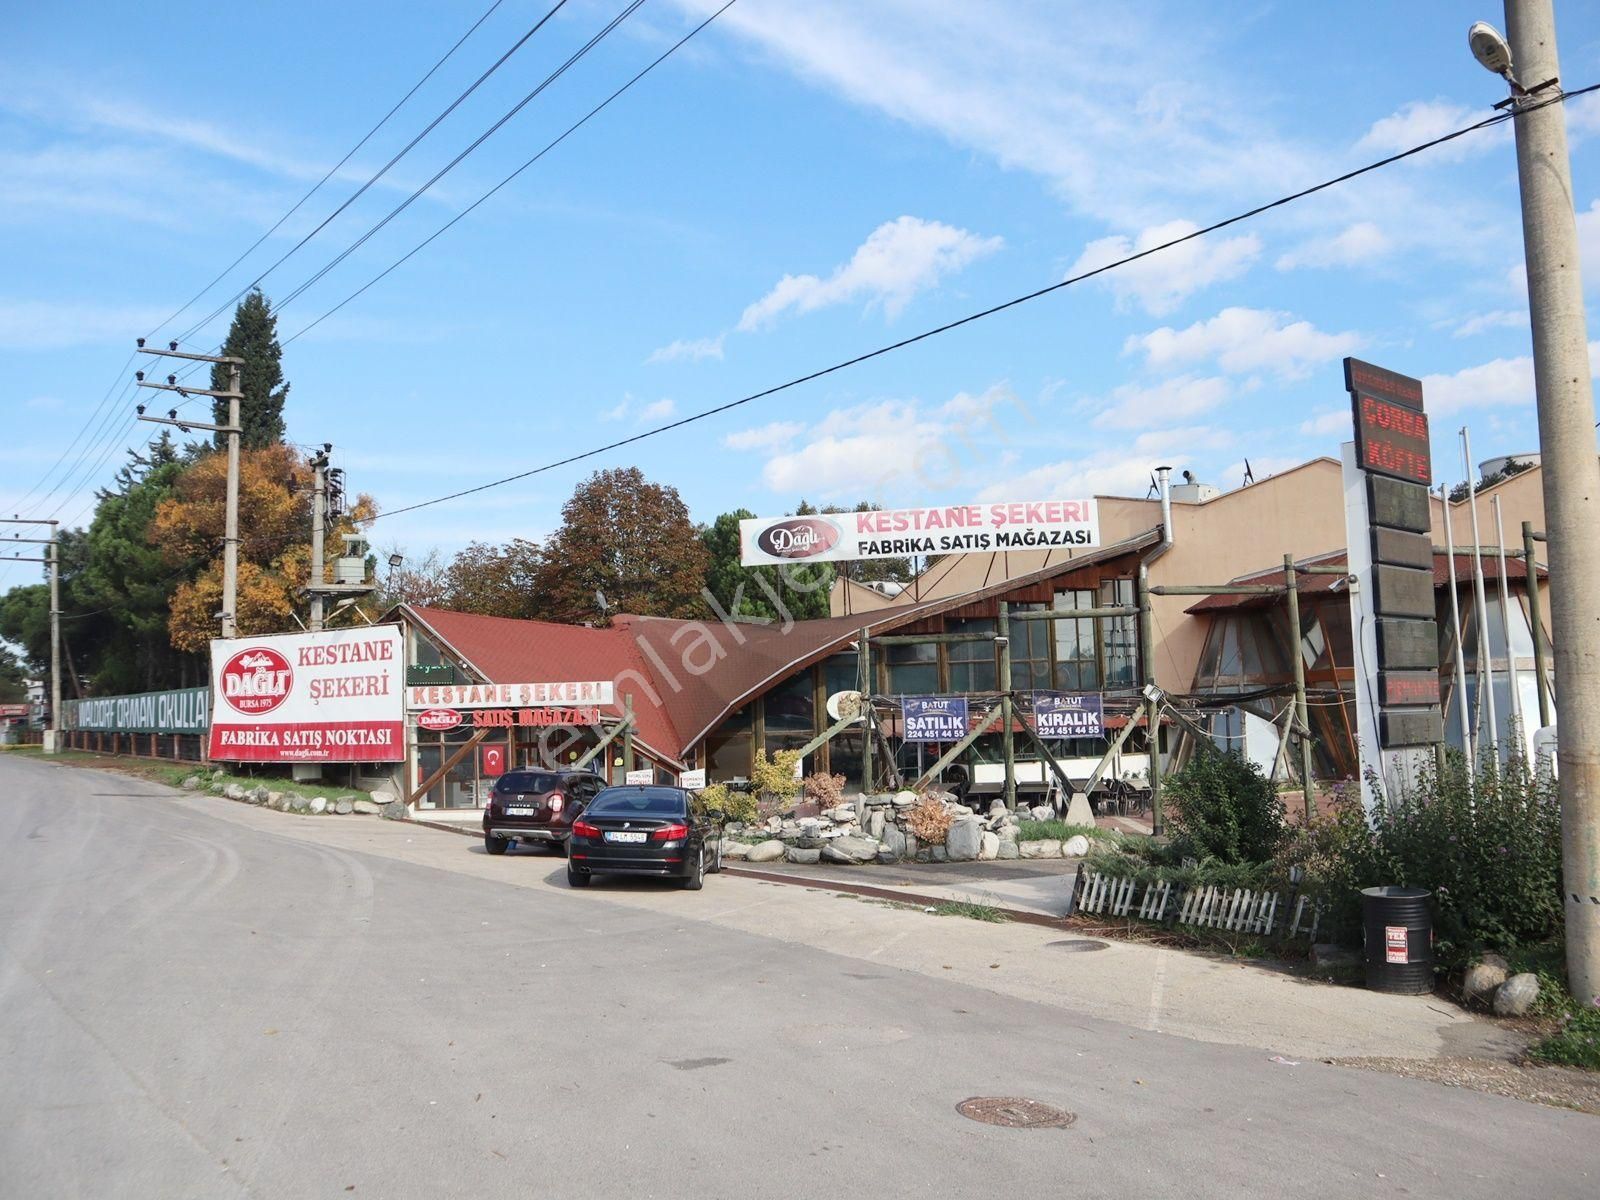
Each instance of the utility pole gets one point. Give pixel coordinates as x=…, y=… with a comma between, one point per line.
x=53, y=734
x=1565, y=396
x=319, y=524
x=230, y=547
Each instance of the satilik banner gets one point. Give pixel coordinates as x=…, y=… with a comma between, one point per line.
x=900, y=533
x=934, y=718
x=335, y=696
x=1069, y=714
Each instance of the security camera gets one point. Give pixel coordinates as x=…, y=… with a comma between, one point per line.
x=1490, y=48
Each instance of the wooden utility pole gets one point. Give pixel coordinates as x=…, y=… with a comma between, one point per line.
x=319, y=521
x=864, y=673
x=230, y=546
x=53, y=740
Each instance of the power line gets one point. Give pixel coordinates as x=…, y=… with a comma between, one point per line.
x=104, y=400
x=349, y=154
x=1248, y=214
x=454, y=104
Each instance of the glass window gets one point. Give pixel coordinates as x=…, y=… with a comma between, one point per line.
x=1077, y=661
x=527, y=782
x=972, y=666
x=914, y=669
x=790, y=707
x=729, y=748
x=636, y=801
x=1119, y=636
x=1030, y=649
x=839, y=674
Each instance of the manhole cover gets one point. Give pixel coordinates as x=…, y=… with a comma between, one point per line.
x=1014, y=1112
x=1078, y=945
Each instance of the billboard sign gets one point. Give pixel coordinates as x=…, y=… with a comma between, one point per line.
x=1069, y=714
x=510, y=695
x=335, y=696
x=180, y=710
x=898, y=533
x=934, y=718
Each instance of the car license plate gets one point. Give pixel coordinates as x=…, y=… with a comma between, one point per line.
x=519, y=812
x=624, y=836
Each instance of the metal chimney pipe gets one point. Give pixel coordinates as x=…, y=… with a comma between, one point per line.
x=1164, y=486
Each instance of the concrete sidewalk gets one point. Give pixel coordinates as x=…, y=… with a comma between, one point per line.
x=1041, y=887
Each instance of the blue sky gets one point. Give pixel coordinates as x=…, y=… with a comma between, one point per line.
x=806, y=180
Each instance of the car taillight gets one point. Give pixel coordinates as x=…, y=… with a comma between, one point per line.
x=669, y=832
x=555, y=801
x=584, y=829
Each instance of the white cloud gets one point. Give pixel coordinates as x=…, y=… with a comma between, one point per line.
x=1133, y=406
x=1506, y=318
x=689, y=350
x=764, y=437
x=1164, y=280
x=1328, y=422
x=59, y=325
x=1352, y=246
x=899, y=259
x=619, y=412
x=658, y=410
x=1244, y=339
x=1112, y=470
x=869, y=449
x=1502, y=383
x=1423, y=120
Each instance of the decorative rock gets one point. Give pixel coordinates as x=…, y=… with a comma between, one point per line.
x=734, y=850
x=941, y=797
x=382, y=796
x=804, y=858
x=217, y=788
x=850, y=850
x=877, y=821
x=887, y=856
x=989, y=847
x=1041, y=812
x=368, y=808
x=319, y=804
x=997, y=807
x=905, y=800
x=1515, y=997
x=1078, y=810
x=1043, y=848
x=192, y=783
x=1482, y=979
x=299, y=803
x=259, y=795
x=936, y=854
x=345, y=805
x=271, y=796
x=960, y=810
x=964, y=839
x=997, y=820
x=1008, y=849
x=895, y=842
x=1075, y=846
x=394, y=811
x=234, y=792
x=768, y=851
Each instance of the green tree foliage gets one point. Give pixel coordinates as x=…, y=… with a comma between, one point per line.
x=625, y=545
x=755, y=592
x=1512, y=467
x=497, y=581
x=254, y=338
x=13, y=679
x=1223, y=807
x=25, y=622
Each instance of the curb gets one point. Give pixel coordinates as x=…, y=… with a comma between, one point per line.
x=877, y=893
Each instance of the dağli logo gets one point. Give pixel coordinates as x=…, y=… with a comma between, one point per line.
x=256, y=681
x=803, y=537
x=439, y=718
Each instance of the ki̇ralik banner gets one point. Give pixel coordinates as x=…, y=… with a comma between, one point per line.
x=337, y=696
x=897, y=533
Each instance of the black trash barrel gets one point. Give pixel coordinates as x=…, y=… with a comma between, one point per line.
x=1399, y=939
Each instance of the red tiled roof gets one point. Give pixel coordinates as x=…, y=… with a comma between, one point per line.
x=1310, y=585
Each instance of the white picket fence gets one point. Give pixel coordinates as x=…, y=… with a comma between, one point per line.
x=1239, y=910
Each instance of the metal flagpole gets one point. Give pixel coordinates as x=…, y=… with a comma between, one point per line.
x=1485, y=651
x=1455, y=629
x=1518, y=725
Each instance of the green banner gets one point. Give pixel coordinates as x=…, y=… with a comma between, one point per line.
x=182, y=710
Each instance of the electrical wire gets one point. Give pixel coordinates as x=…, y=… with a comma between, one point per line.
x=1017, y=301
x=379, y=174
x=349, y=154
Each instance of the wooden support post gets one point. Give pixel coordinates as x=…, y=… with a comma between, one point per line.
x=1535, y=623
x=1008, y=745
x=950, y=755
x=1111, y=752
x=447, y=765
x=627, y=738
x=617, y=731
x=864, y=673
x=1148, y=669
x=1301, y=712
x=1049, y=759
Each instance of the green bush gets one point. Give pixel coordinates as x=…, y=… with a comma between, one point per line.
x=1575, y=1044
x=731, y=805
x=1221, y=806
x=1151, y=868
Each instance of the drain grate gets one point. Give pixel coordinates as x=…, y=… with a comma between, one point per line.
x=1015, y=1112
x=1078, y=945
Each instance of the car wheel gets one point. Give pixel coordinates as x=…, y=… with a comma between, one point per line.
x=696, y=878
x=577, y=876
x=496, y=845
x=716, y=859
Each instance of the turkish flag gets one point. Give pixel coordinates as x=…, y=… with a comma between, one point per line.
x=493, y=760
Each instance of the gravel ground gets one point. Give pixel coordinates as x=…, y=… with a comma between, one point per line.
x=1559, y=1087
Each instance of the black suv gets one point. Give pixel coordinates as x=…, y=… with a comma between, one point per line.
x=533, y=805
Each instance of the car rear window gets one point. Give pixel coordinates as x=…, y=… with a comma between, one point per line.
x=528, y=781
x=638, y=801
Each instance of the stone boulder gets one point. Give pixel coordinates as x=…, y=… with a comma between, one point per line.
x=989, y=847
x=191, y=783
x=1041, y=812
x=395, y=810
x=259, y=795
x=734, y=851
x=319, y=804
x=345, y=805
x=272, y=796
x=382, y=796
x=887, y=856
x=1515, y=997
x=1075, y=846
x=802, y=857
x=1482, y=979
x=936, y=854
x=1043, y=848
x=234, y=792
x=850, y=850
x=964, y=839
x=299, y=804
x=768, y=851
x=218, y=789
x=904, y=800
x=1008, y=849
x=877, y=822
x=895, y=841
x=370, y=808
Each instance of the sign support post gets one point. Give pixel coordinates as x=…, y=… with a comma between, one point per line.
x=1008, y=745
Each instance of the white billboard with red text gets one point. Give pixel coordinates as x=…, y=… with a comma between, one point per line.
x=903, y=532
x=335, y=696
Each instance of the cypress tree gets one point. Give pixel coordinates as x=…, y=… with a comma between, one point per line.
x=254, y=338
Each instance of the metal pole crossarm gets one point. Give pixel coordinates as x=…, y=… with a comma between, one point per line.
x=187, y=425
x=22, y=558
x=189, y=391
x=1318, y=570
x=28, y=521
x=1226, y=589
x=49, y=541
x=1077, y=614
x=210, y=358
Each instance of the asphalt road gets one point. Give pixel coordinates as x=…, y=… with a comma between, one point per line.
x=194, y=1007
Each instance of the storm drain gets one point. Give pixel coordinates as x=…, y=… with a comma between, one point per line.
x=1078, y=945
x=1015, y=1112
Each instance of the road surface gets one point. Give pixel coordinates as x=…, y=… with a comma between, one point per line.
x=203, y=999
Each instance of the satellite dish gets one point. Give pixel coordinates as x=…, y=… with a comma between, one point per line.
x=842, y=705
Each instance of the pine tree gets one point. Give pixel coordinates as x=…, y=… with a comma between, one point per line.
x=254, y=338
